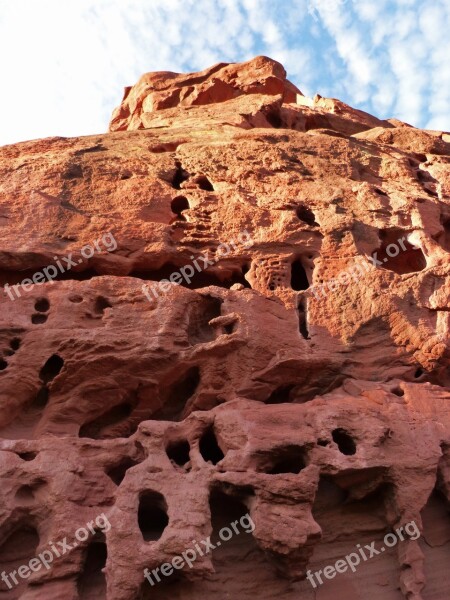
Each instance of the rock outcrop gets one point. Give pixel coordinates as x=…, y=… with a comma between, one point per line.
x=295, y=367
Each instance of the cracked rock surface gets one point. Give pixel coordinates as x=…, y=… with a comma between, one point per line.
x=301, y=375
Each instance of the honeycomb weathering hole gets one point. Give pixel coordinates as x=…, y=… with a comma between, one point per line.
x=101, y=304
x=178, y=205
x=398, y=255
x=51, y=369
x=306, y=215
x=178, y=452
x=444, y=238
x=117, y=472
x=344, y=442
x=303, y=319
x=286, y=459
x=92, y=582
x=179, y=176
x=38, y=319
x=15, y=344
x=204, y=183
x=152, y=515
x=209, y=447
x=42, y=305
x=281, y=395
x=27, y=456
x=299, y=279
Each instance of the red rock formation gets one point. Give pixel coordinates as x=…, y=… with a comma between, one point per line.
x=301, y=375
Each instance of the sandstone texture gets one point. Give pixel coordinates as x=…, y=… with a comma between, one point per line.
x=301, y=375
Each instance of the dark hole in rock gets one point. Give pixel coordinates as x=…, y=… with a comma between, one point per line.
x=344, y=442
x=306, y=215
x=286, y=459
x=3, y=364
x=445, y=237
x=299, y=280
x=152, y=515
x=95, y=428
x=280, y=395
x=418, y=373
x=274, y=119
x=16, y=277
x=91, y=583
x=178, y=451
x=199, y=280
x=27, y=455
x=179, y=176
x=302, y=319
x=398, y=391
x=15, y=344
x=117, y=473
x=230, y=328
x=51, y=369
x=209, y=447
x=323, y=443
x=178, y=205
x=101, y=304
x=398, y=255
x=178, y=395
x=204, y=183
x=42, y=305
x=241, y=568
x=38, y=319
x=226, y=508
x=424, y=176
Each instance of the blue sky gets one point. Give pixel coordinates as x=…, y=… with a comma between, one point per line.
x=64, y=64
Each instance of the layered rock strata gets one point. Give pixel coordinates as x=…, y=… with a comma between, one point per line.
x=300, y=374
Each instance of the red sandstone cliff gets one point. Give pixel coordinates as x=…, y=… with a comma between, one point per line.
x=301, y=375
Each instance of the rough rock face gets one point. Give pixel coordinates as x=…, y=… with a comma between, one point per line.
x=301, y=375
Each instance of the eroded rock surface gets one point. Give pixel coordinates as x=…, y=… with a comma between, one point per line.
x=302, y=375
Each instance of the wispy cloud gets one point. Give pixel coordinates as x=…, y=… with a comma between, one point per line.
x=65, y=63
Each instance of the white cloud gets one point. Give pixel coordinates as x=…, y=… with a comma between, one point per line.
x=65, y=63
